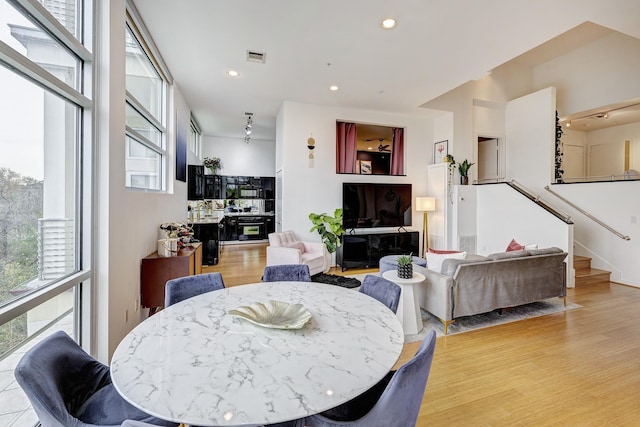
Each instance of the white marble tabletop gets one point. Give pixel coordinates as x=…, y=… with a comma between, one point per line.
x=193, y=363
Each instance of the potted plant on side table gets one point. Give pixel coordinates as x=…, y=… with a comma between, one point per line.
x=405, y=267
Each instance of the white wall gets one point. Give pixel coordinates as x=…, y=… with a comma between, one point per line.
x=127, y=221
x=505, y=214
x=600, y=73
x=530, y=134
x=257, y=158
x=319, y=189
x=618, y=134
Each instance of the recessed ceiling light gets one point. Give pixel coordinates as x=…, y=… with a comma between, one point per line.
x=388, y=23
x=333, y=88
x=233, y=73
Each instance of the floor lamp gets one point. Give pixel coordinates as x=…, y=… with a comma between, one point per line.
x=426, y=205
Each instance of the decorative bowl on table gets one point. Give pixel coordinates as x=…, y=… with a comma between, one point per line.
x=274, y=314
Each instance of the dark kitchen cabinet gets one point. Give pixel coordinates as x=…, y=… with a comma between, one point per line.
x=268, y=184
x=213, y=187
x=270, y=225
x=195, y=184
x=208, y=235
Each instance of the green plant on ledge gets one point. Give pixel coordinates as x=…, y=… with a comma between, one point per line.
x=329, y=227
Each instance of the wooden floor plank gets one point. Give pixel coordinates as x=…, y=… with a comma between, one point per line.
x=576, y=368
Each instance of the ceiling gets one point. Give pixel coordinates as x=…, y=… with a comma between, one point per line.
x=312, y=44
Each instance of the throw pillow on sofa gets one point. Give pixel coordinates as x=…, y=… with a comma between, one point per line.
x=514, y=246
x=434, y=261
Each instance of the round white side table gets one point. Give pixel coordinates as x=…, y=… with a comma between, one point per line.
x=408, y=308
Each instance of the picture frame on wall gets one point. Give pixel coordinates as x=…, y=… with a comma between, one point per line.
x=440, y=151
x=365, y=167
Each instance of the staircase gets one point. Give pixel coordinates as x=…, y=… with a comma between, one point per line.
x=585, y=275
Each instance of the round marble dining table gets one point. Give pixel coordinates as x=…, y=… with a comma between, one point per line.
x=194, y=363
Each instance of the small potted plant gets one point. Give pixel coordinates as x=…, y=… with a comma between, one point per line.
x=463, y=169
x=405, y=266
x=213, y=164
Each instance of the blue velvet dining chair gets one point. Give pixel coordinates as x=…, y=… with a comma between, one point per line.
x=393, y=404
x=69, y=388
x=180, y=289
x=286, y=273
x=383, y=290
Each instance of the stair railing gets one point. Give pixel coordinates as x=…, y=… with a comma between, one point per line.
x=588, y=215
x=563, y=216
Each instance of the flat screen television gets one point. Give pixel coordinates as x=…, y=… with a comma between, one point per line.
x=370, y=205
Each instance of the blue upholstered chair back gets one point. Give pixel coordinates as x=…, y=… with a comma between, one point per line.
x=383, y=290
x=180, y=289
x=69, y=388
x=399, y=403
x=286, y=273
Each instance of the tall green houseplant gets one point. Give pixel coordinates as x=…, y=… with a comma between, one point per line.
x=329, y=227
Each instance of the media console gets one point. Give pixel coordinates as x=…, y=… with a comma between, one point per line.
x=365, y=248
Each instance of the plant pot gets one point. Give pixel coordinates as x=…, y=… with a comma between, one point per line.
x=464, y=180
x=405, y=271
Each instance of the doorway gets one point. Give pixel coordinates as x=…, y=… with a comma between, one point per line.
x=490, y=159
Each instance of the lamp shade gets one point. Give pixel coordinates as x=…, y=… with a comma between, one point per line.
x=425, y=204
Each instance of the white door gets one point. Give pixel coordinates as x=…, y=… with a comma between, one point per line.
x=573, y=163
x=488, y=155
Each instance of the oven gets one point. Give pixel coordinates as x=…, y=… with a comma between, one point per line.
x=251, y=228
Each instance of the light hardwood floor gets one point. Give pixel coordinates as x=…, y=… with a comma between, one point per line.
x=577, y=368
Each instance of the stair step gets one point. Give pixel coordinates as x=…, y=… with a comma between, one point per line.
x=592, y=276
x=581, y=263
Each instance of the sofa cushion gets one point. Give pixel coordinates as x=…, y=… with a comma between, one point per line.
x=434, y=261
x=450, y=265
x=545, y=251
x=508, y=255
x=296, y=244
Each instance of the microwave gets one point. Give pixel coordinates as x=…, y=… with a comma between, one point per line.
x=249, y=193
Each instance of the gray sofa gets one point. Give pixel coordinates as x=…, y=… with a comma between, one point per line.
x=480, y=284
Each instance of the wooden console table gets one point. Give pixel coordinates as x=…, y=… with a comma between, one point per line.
x=155, y=271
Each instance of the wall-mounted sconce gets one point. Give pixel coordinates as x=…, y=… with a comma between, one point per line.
x=311, y=144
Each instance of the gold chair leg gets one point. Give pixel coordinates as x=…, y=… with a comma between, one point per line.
x=564, y=298
x=446, y=324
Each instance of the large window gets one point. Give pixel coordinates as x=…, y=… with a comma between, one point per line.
x=195, y=135
x=45, y=132
x=145, y=113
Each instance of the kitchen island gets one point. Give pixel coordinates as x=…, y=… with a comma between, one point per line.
x=230, y=227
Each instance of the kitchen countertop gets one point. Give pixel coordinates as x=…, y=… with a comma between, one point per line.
x=217, y=219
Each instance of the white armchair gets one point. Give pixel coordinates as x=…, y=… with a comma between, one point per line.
x=285, y=248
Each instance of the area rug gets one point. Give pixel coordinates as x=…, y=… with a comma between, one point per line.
x=485, y=320
x=492, y=318
x=333, y=279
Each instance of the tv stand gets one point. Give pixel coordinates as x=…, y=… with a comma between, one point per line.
x=364, y=250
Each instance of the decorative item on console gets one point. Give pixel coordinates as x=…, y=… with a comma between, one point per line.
x=177, y=230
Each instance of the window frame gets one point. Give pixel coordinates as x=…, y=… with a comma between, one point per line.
x=142, y=39
x=24, y=67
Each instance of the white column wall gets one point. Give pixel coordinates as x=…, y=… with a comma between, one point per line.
x=127, y=221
